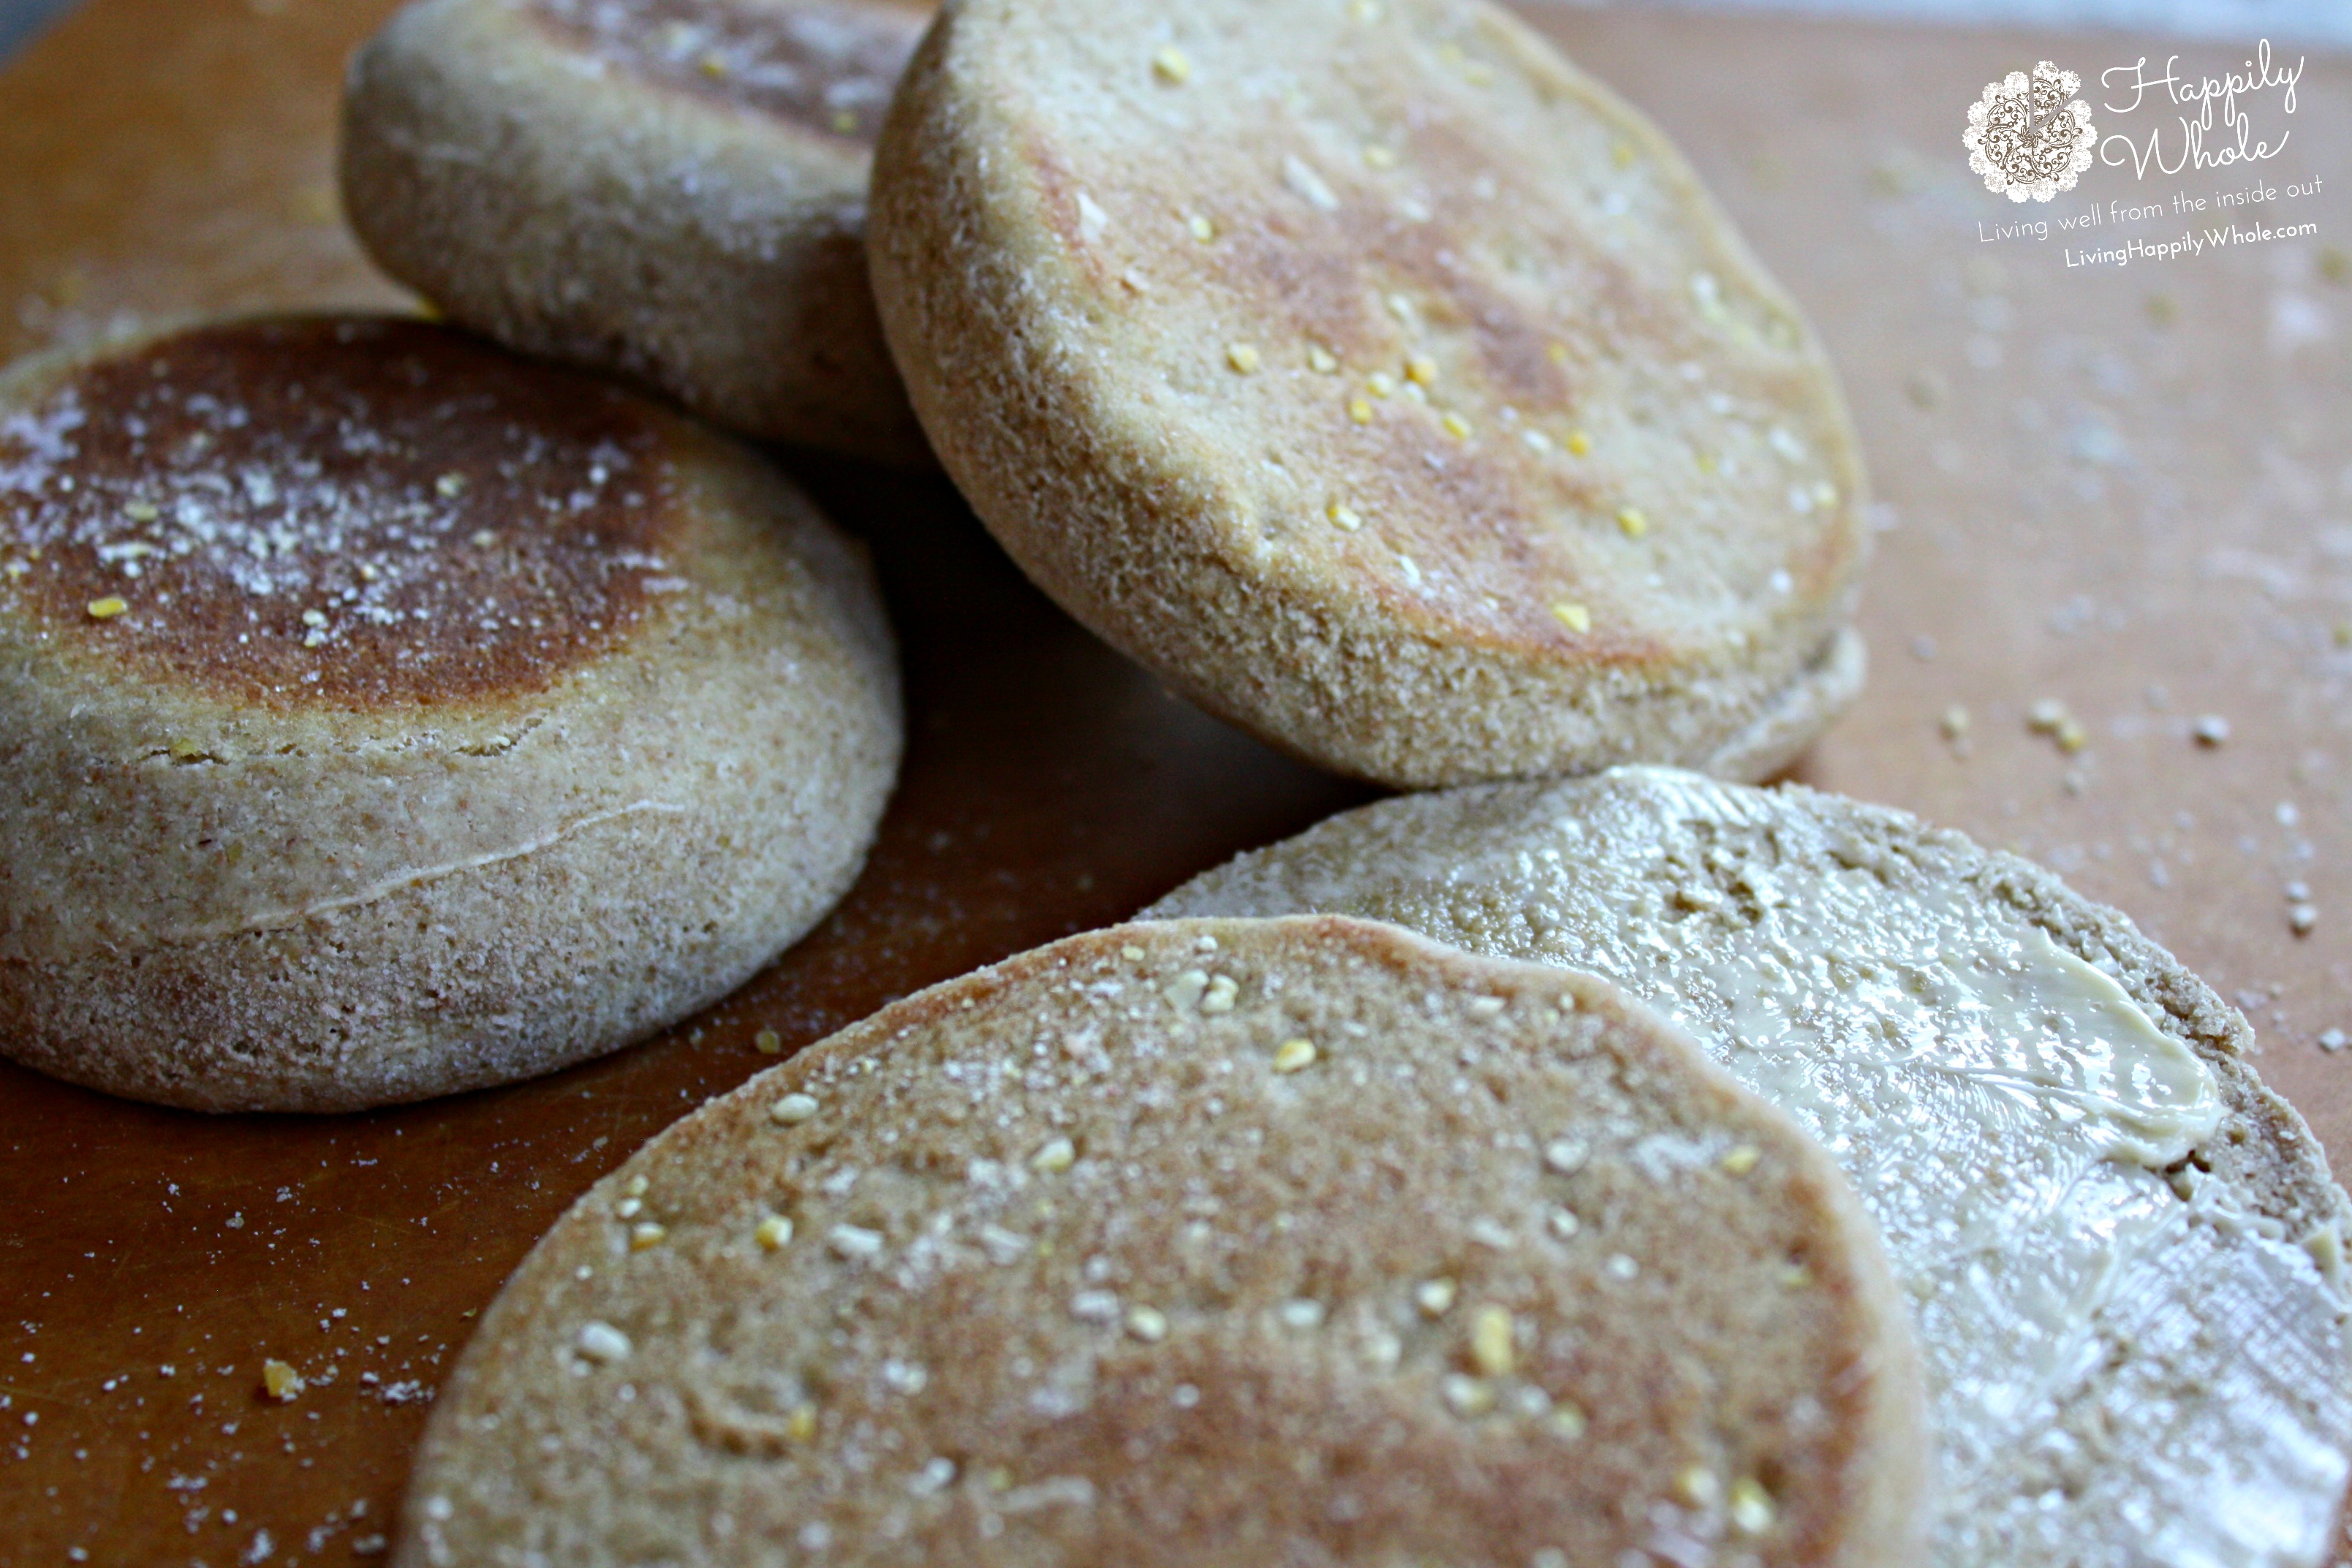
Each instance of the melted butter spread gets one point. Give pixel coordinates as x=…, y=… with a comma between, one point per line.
x=2128, y=1366
x=2009, y=1025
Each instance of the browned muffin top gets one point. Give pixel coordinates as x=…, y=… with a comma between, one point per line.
x=1384, y=308
x=337, y=512
x=824, y=68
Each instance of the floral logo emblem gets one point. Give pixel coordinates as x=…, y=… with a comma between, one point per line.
x=2031, y=136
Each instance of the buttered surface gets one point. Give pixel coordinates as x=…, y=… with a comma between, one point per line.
x=2127, y=1365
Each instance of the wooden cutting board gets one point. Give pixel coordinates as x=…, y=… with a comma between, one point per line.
x=2128, y=490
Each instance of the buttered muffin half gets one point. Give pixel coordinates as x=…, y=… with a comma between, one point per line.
x=674, y=190
x=385, y=715
x=1381, y=381
x=2123, y=1254
x=1189, y=1245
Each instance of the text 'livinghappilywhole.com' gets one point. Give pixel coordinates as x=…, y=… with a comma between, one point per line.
x=2195, y=238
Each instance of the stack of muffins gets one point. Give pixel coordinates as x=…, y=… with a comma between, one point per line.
x=1589, y=1159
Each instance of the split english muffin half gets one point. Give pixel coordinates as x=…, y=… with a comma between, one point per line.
x=385, y=715
x=1384, y=383
x=2124, y=1255
x=1204, y=1243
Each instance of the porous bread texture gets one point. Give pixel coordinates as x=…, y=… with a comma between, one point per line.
x=226, y=904
x=1087, y=1258
x=1624, y=872
x=1383, y=382
x=576, y=209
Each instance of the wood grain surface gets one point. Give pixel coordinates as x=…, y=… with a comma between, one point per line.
x=2125, y=490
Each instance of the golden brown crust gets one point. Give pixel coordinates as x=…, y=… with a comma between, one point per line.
x=333, y=511
x=826, y=69
x=1377, y=378
x=663, y=189
x=1083, y=1268
x=217, y=896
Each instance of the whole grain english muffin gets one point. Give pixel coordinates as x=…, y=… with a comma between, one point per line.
x=1379, y=379
x=671, y=189
x=2123, y=1252
x=1208, y=1242
x=385, y=715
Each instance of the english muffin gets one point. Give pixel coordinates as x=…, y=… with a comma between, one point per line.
x=1385, y=384
x=2123, y=1252
x=670, y=189
x=1202, y=1243
x=385, y=715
